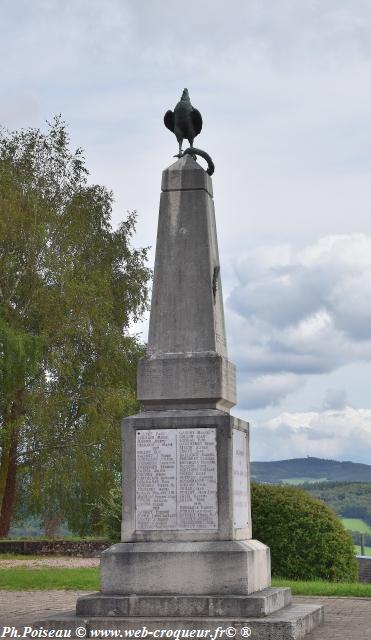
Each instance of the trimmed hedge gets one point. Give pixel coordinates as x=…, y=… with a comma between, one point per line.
x=307, y=540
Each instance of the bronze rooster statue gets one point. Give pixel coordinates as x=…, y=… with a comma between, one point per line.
x=185, y=121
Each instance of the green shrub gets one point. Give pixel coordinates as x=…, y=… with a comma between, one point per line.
x=306, y=539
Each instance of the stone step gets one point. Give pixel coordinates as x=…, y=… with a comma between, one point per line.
x=260, y=603
x=291, y=623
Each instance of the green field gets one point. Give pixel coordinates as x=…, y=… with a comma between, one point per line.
x=357, y=548
x=296, y=481
x=88, y=580
x=356, y=524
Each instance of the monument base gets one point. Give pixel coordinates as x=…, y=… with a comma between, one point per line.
x=229, y=567
x=258, y=604
x=184, y=590
x=290, y=623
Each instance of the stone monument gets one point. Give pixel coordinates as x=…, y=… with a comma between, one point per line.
x=187, y=559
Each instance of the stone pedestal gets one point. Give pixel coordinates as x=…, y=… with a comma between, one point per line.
x=186, y=560
x=213, y=568
x=186, y=477
x=186, y=510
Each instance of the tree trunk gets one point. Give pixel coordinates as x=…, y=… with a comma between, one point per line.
x=9, y=463
x=8, y=501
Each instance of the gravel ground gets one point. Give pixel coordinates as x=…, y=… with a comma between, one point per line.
x=62, y=562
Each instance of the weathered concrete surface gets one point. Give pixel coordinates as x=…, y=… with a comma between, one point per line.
x=257, y=604
x=187, y=381
x=224, y=424
x=186, y=317
x=292, y=623
x=186, y=174
x=220, y=568
x=186, y=363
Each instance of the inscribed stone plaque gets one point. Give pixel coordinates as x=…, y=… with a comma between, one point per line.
x=156, y=479
x=176, y=479
x=240, y=495
x=197, y=500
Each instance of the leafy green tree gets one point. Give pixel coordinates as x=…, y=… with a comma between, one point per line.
x=109, y=513
x=70, y=285
x=347, y=499
x=306, y=539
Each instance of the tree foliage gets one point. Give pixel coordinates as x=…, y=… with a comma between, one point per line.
x=109, y=513
x=347, y=499
x=306, y=538
x=69, y=287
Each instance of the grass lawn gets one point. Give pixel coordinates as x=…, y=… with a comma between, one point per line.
x=88, y=579
x=356, y=524
x=49, y=578
x=321, y=588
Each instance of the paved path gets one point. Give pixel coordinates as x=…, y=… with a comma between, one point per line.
x=345, y=618
x=20, y=608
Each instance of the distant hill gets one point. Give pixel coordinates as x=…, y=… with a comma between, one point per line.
x=302, y=470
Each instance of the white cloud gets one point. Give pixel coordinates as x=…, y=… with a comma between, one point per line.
x=335, y=399
x=343, y=435
x=300, y=312
x=254, y=393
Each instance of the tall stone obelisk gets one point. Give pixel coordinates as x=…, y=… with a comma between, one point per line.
x=186, y=509
x=187, y=559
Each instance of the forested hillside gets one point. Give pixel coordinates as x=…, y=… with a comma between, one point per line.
x=300, y=470
x=349, y=500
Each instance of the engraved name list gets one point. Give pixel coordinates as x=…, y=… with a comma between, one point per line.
x=176, y=479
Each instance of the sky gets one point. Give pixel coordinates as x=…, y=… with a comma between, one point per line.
x=284, y=88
